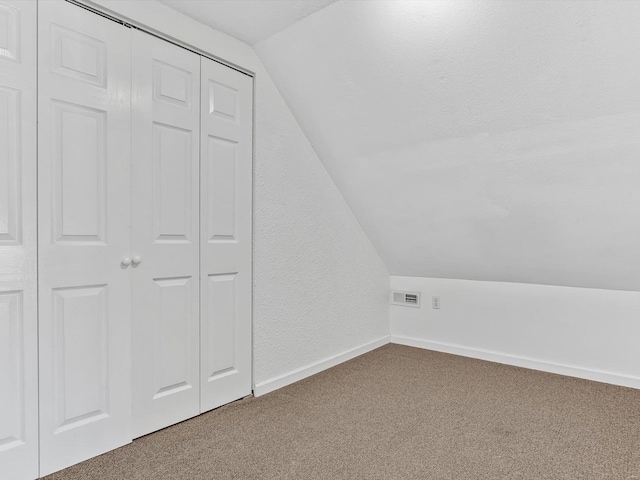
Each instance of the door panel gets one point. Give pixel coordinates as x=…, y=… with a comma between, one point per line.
x=84, y=223
x=166, y=126
x=226, y=185
x=221, y=341
x=222, y=184
x=173, y=186
x=79, y=212
x=18, y=280
x=80, y=365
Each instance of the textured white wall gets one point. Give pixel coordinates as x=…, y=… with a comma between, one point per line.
x=320, y=288
x=488, y=139
x=583, y=332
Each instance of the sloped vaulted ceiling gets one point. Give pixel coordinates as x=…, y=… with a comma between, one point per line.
x=490, y=140
x=480, y=139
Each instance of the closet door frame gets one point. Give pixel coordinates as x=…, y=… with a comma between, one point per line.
x=211, y=46
x=219, y=49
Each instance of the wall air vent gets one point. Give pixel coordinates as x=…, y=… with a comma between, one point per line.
x=406, y=299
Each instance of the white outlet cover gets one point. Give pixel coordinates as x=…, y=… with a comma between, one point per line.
x=435, y=303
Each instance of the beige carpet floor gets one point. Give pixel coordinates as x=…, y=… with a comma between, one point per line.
x=399, y=413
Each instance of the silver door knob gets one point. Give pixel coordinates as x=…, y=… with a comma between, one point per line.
x=137, y=260
x=126, y=261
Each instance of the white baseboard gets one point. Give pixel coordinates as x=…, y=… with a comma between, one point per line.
x=515, y=360
x=317, y=367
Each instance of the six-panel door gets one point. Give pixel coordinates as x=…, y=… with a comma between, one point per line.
x=166, y=152
x=18, y=280
x=225, y=231
x=84, y=220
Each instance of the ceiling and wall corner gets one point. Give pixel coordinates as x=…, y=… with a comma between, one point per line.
x=248, y=20
x=486, y=140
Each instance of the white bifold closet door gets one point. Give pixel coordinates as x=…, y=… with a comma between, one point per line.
x=84, y=206
x=166, y=249
x=18, y=281
x=225, y=231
